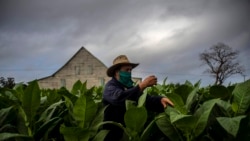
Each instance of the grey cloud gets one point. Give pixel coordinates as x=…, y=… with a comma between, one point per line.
x=36, y=30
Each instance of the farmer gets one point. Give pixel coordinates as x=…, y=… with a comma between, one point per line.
x=121, y=88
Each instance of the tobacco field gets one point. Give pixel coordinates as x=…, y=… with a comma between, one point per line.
x=211, y=113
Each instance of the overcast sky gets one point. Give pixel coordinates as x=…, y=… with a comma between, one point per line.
x=37, y=37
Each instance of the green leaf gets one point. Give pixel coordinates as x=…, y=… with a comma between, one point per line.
x=241, y=96
x=169, y=109
x=74, y=133
x=188, y=83
x=135, y=118
x=48, y=113
x=183, y=122
x=197, y=84
x=178, y=103
x=130, y=104
x=19, y=90
x=235, y=107
x=88, y=92
x=46, y=127
x=148, y=130
x=100, y=136
x=191, y=98
x=164, y=124
x=52, y=96
x=224, y=104
x=5, y=136
x=84, y=110
x=7, y=115
x=65, y=93
x=79, y=87
x=22, y=121
x=98, y=117
x=202, y=115
x=164, y=81
x=230, y=124
x=114, y=123
x=31, y=100
x=142, y=99
x=68, y=103
x=183, y=91
x=11, y=96
x=76, y=89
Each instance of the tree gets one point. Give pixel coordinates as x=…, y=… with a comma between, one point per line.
x=222, y=62
x=9, y=83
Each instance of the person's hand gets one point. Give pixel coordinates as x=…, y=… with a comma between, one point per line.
x=148, y=82
x=165, y=102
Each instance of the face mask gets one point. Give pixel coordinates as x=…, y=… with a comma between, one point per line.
x=125, y=78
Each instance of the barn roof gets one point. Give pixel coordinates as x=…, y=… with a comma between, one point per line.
x=80, y=50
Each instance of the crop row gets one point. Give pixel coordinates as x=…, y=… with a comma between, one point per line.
x=200, y=113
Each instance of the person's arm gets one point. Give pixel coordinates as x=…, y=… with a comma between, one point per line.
x=116, y=95
x=157, y=103
x=148, y=82
x=153, y=103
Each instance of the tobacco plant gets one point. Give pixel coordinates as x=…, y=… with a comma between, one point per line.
x=186, y=124
x=199, y=113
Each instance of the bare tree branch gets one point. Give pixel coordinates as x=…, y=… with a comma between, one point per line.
x=221, y=60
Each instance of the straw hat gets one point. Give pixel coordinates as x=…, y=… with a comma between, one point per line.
x=119, y=61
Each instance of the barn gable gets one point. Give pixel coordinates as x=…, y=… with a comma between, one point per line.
x=81, y=66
